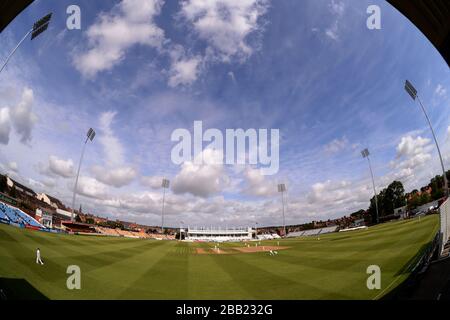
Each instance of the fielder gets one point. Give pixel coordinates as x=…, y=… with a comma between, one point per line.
x=38, y=257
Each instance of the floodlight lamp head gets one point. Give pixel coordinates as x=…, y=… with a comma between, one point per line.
x=40, y=26
x=365, y=153
x=165, y=183
x=411, y=90
x=91, y=134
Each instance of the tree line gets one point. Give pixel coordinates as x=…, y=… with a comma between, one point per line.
x=394, y=196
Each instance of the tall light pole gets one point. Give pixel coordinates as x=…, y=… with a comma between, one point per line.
x=256, y=230
x=365, y=153
x=38, y=27
x=413, y=93
x=89, y=136
x=165, y=184
x=282, y=189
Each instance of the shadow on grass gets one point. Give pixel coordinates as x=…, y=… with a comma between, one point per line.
x=417, y=267
x=408, y=267
x=19, y=289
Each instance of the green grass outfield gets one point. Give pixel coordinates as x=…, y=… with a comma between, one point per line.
x=333, y=267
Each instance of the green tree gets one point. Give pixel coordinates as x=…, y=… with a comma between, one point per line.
x=414, y=201
x=396, y=193
x=437, y=187
x=424, y=198
x=388, y=199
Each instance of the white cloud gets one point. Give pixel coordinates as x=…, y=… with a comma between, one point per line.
x=402, y=174
x=37, y=185
x=184, y=71
x=258, y=184
x=117, y=177
x=225, y=25
x=440, y=91
x=201, y=180
x=144, y=202
x=412, y=155
x=153, y=182
x=49, y=183
x=60, y=167
x=5, y=127
x=129, y=23
x=415, y=161
x=332, y=32
x=337, y=8
x=114, y=172
x=112, y=147
x=232, y=76
x=12, y=166
x=330, y=199
x=329, y=191
x=22, y=116
x=192, y=210
x=90, y=188
x=336, y=145
x=410, y=146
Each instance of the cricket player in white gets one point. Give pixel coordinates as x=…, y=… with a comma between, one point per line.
x=38, y=256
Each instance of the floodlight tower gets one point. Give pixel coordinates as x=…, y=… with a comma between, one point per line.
x=89, y=137
x=413, y=93
x=365, y=154
x=282, y=190
x=165, y=184
x=38, y=27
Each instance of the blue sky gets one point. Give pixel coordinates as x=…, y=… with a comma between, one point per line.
x=311, y=69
